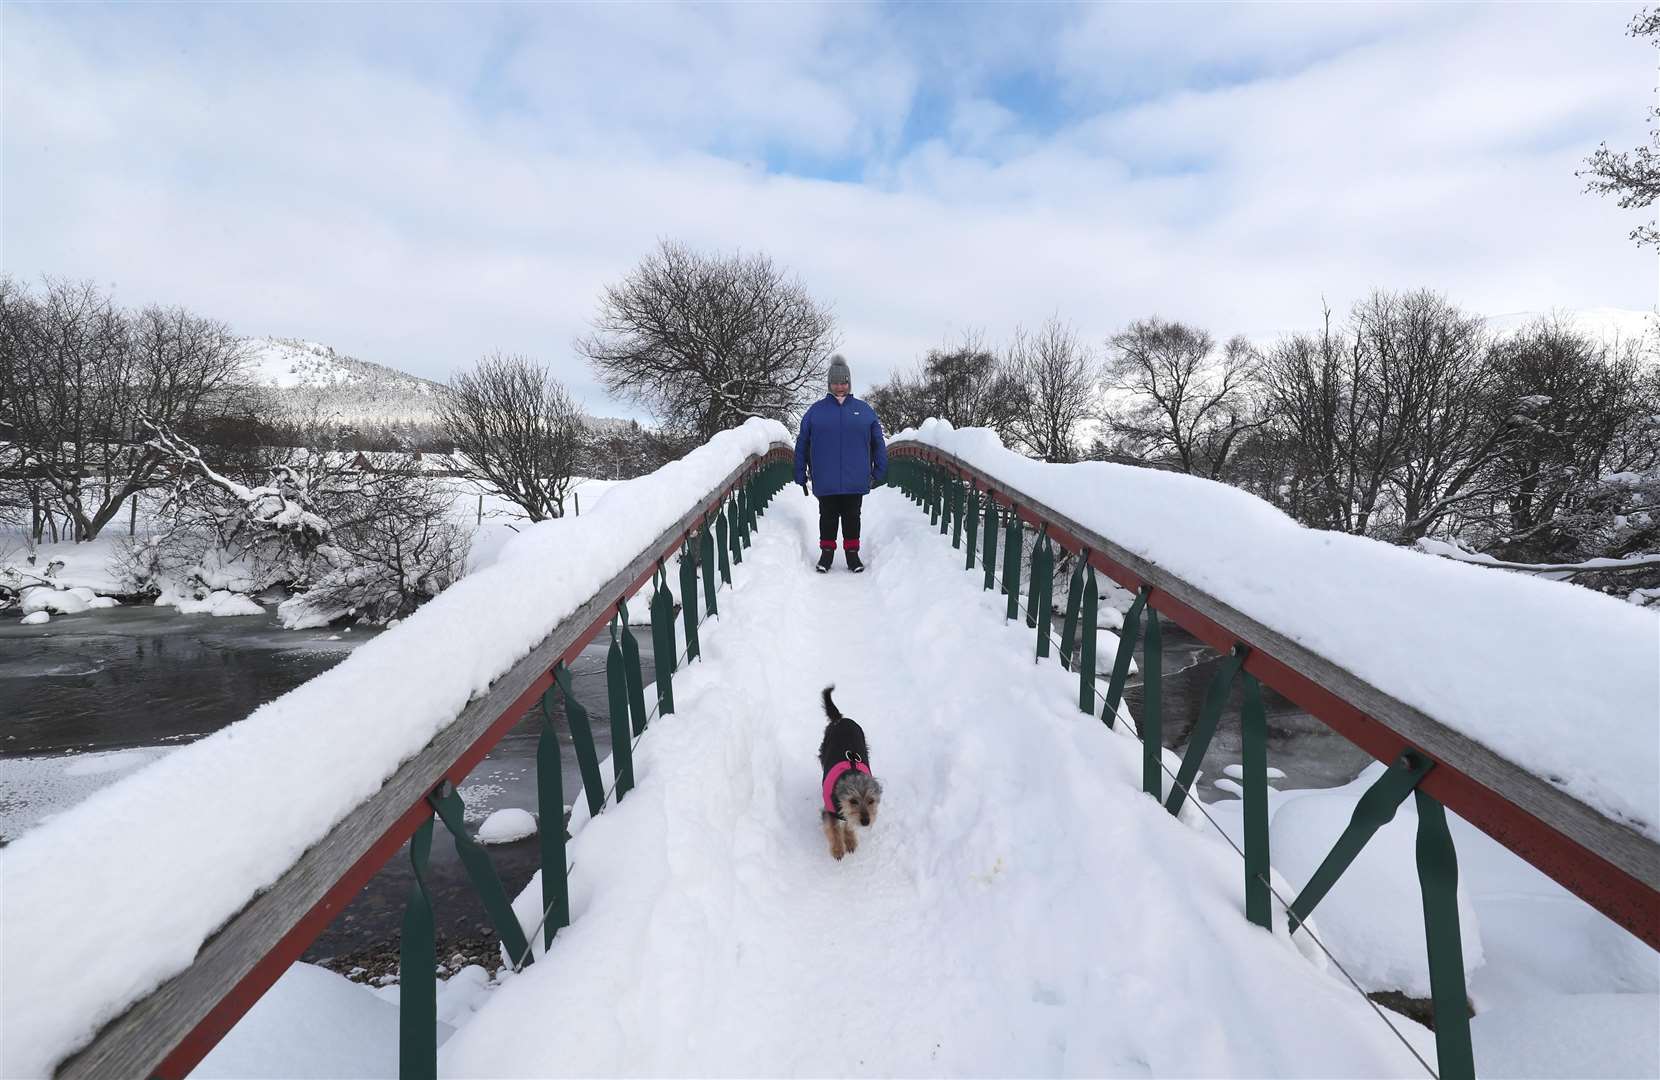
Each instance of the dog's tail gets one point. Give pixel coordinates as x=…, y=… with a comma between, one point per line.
x=830, y=709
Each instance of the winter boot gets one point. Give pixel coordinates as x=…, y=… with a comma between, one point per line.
x=854, y=563
x=825, y=559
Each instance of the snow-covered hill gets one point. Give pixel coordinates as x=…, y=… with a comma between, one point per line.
x=313, y=379
x=309, y=377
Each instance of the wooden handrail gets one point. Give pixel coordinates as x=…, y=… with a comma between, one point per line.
x=1604, y=862
x=170, y=1030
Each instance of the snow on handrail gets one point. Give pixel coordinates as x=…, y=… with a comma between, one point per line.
x=1540, y=701
x=161, y=907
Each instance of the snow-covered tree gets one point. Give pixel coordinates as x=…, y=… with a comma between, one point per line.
x=1632, y=176
x=78, y=376
x=358, y=534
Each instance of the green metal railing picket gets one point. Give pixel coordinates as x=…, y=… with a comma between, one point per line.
x=706, y=556
x=1205, y=730
x=1438, y=882
x=616, y=699
x=1375, y=809
x=1040, y=606
x=688, y=600
x=972, y=529
x=1127, y=633
x=723, y=546
x=989, y=556
x=662, y=640
x=1086, y=646
x=550, y=806
x=1012, y=544
x=631, y=669
x=959, y=504
x=418, y=969
x=1152, y=708
x=734, y=530
x=418, y=951
x=1074, y=603
x=582, y=736
x=1254, y=762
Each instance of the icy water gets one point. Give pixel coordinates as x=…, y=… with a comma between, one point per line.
x=140, y=680
x=1309, y=753
x=144, y=679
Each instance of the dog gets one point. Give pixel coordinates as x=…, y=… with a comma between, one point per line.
x=851, y=793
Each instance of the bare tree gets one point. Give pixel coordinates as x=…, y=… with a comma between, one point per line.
x=515, y=429
x=1433, y=358
x=901, y=402
x=1052, y=374
x=395, y=546
x=78, y=376
x=1391, y=423
x=707, y=342
x=1583, y=410
x=1181, y=405
x=965, y=382
x=1633, y=176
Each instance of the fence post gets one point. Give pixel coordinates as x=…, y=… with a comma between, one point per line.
x=1254, y=755
x=1438, y=883
x=688, y=599
x=1012, y=543
x=706, y=556
x=418, y=970
x=1086, y=647
x=989, y=556
x=1152, y=715
x=1074, y=601
x=616, y=700
x=722, y=546
x=663, y=656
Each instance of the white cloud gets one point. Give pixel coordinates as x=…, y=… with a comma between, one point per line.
x=419, y=190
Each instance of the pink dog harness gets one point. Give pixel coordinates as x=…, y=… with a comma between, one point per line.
x=835, y=774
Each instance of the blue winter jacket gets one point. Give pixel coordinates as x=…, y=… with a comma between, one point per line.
x=840, y=446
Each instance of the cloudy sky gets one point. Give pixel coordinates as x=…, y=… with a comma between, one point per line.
x=417, y=184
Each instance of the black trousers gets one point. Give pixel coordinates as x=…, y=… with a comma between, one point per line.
x=843, y=509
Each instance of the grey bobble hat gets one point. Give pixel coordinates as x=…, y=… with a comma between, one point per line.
x=838, y=371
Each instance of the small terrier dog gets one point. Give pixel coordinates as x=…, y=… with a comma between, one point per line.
x=851, y=793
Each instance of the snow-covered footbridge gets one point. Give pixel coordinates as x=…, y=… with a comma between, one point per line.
x=1040, y=894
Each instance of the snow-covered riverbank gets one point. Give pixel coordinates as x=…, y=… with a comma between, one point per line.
x=68, y=578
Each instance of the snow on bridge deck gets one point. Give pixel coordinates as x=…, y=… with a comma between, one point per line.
x=1020, y=908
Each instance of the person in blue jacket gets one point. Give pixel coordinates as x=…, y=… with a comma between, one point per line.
x=840, y=450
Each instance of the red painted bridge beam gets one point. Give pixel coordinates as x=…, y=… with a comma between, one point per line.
x=263, y=975
x=1606, y=887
